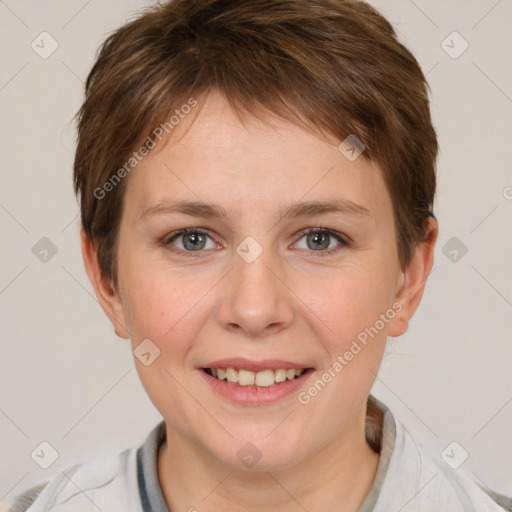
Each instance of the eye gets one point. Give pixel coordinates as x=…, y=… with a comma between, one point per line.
x=318, y=240
x=190, y=240
x=321, y=240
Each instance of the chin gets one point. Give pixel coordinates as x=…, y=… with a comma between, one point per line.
x=258, y=453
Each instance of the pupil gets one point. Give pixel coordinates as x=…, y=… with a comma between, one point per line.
x=319, y=237
x=196, y=239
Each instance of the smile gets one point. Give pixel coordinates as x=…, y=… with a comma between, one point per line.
x=264, y=378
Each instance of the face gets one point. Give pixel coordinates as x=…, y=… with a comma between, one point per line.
x=288, y=259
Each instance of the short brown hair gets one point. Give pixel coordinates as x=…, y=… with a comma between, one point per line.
x=332, y=65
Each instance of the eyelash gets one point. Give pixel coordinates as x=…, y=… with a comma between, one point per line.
x=343, y=240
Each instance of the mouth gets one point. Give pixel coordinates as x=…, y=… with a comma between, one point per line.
x=266, y=378
x=247, y=382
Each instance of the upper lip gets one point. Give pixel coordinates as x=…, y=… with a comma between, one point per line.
x=255, y=366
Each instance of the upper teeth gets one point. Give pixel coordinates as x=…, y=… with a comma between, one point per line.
x=264, y=378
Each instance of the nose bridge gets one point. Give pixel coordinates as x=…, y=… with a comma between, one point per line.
x=255, y=300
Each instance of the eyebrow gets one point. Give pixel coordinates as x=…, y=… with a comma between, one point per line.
x=308, y=208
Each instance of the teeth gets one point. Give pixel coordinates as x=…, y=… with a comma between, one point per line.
x=245, y=378
x=280, y=375
x=265, y=378
x=262, y=379
x=232, y=375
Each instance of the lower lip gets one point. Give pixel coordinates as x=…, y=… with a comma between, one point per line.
x=254, y=395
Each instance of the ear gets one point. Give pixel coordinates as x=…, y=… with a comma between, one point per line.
x=412, y=281
x=108, y=298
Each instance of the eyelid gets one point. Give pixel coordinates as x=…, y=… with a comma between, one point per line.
x=344, y=240
x=185, y=231
x=166, y=241
x=319, y=229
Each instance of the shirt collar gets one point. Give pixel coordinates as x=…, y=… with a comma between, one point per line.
x=380, y=434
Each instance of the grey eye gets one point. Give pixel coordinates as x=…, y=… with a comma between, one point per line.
x=320, y=240
x=192, y=240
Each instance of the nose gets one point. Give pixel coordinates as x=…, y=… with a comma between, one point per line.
x=255, y=301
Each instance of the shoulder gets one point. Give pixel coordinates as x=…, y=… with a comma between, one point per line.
x=503, y=501
x=106, y=483
x=23, y=501
x=420, y=481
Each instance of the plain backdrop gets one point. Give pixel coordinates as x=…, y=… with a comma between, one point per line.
x=67, y=380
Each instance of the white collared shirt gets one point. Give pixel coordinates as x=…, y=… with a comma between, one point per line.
x=407, y=480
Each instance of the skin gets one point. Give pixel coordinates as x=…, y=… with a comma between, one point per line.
x=291, y=303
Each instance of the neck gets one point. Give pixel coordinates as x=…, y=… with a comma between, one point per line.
x=342, y=472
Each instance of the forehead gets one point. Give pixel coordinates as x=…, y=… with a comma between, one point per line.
x=261, y=164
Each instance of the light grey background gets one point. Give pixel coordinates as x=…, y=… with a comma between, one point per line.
x=68, y=380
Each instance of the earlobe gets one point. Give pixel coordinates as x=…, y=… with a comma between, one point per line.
x=413, y=280
x=108, y=298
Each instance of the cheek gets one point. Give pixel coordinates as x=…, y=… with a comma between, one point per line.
x=346, y=311
x=162, y=303
x=169, y=309
x=348, y=301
